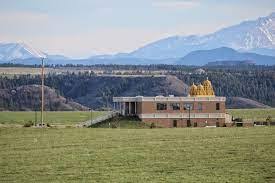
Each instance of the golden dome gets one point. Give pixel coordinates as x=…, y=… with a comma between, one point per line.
x=193, y=90
x=208, y=87
x=206, y=82
x=200, y=90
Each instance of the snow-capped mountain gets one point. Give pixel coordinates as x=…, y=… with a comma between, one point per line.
x=12, y=51
x=256, y=36
x=202, y=57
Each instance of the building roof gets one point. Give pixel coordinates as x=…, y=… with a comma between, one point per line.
x=168, y=99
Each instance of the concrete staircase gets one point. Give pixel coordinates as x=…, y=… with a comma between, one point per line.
x=100, y=119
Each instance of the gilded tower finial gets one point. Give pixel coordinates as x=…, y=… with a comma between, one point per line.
x=200, y=90
x=204, y=89
x=193, y=90
x=208, y=87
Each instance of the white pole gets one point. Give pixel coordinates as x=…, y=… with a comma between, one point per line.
x=42, y=93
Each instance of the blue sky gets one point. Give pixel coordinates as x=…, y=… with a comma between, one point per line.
x=80, y=28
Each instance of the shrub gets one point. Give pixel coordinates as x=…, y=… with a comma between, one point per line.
x=238, y=119
x=269, y=119
x=28, y=124
x=114, y=126
x=152, y=125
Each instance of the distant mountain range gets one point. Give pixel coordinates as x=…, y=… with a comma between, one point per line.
x=249, y=40
x=10, y=52
x=251, y=36
x=202, y=57
x=231, y=63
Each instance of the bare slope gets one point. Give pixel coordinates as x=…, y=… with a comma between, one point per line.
x=96, y=91
x=243, y=103
x=28, y=97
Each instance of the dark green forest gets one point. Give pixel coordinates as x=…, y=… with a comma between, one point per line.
x=257, y=85
x=253, y=82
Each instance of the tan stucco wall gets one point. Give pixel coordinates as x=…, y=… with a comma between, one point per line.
x=207, y=107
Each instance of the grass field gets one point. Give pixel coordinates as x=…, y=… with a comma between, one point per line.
x=58, y=117
x=122, y=122
x=137, y=155
x=254, y=114
x=75, y=117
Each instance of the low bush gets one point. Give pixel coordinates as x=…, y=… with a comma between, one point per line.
x=152, y=125
x=238, y=120
x=28, y=124
x=114, y=125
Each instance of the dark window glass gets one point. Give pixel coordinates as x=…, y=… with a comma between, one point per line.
x=175, y=106
x=187, y=106
x=217, y=106
x=200, y=106
x=175, y=123
x=161, y=106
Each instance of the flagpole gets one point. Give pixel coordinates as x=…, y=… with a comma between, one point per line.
x=42, y=92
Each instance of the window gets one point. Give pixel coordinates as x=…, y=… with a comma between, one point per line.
x=199, y=106
x=175, y=106
x=187, y=106
x=175, y=123
x=217, y=106
x=161, y=106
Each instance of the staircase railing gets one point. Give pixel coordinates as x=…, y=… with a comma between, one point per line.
x=100, y=119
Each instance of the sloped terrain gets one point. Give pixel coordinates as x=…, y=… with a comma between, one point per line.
x=28, y=97
x=98, y=91
x=240, y=103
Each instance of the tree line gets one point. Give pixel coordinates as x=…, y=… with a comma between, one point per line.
x=256, y=83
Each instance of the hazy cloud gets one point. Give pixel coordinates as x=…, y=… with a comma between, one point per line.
x=176, y=4
x=23, y=17
x=79, y=29
x=23, y=22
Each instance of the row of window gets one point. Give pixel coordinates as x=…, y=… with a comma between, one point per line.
x=186, y=106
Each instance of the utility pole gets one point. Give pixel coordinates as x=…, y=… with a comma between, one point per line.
x=35, y=121
x=189, y=114
x=91, y=115
x=42, y=92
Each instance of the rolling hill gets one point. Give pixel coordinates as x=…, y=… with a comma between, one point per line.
x=243, y=103
x=97, y=92
x=27, y=97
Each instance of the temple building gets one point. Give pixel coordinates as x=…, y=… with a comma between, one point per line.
x=199, y=109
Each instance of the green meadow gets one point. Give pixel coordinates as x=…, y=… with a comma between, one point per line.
x=75, y=117
x=253, y=114
x=137, y=155
x=52, y=117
